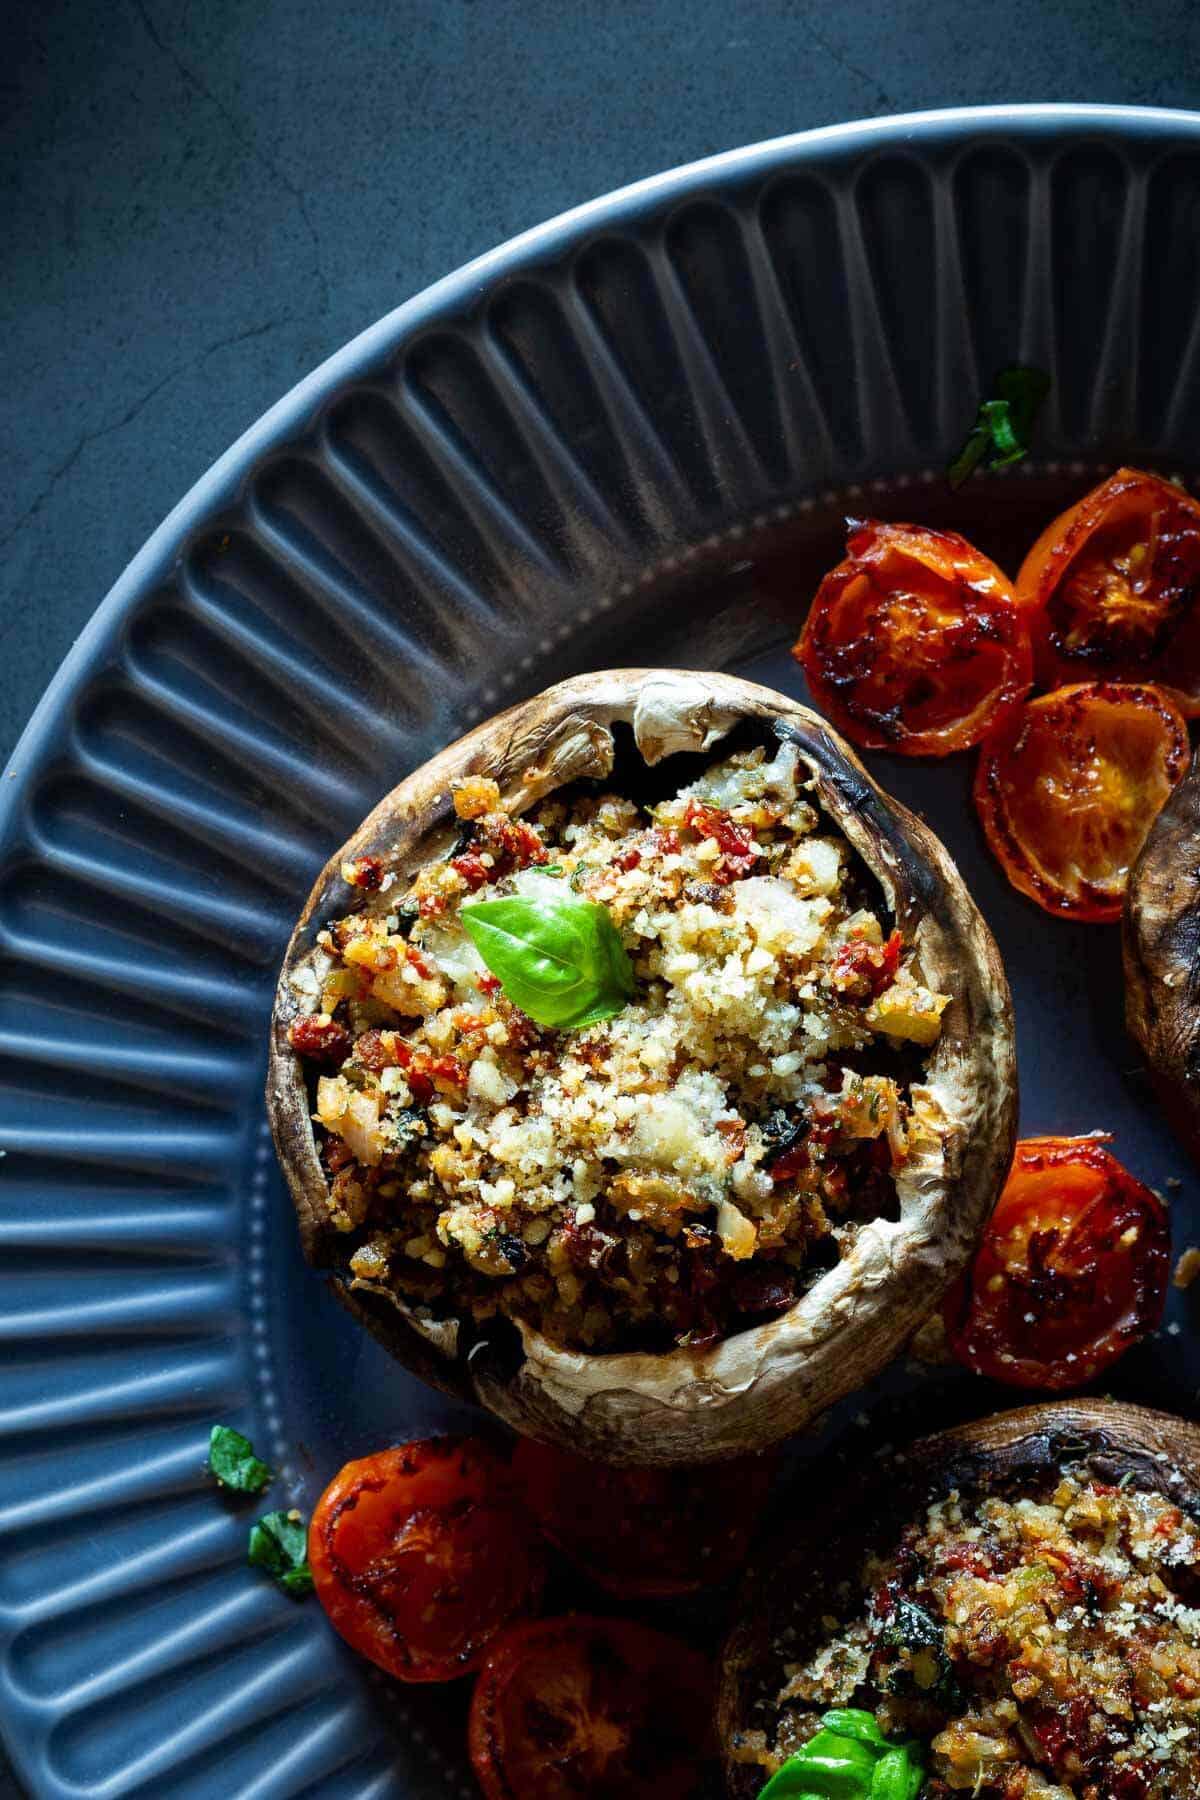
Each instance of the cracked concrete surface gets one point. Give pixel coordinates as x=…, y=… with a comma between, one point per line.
x=201, y=201
x=127, y=418
x=242, y=135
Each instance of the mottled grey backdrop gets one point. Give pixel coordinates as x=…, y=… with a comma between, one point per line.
x=200, y=199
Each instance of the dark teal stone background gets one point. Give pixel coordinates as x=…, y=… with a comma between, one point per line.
x=200, y=199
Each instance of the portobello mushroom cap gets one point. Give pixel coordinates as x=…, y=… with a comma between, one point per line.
x=1161, y=940
x=756, y=1386
x=793, y=1580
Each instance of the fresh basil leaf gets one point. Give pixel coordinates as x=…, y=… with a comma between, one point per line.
x=832, y=1744
x=846, y=1770
x=793, y=1782
x=783, y=1785
x=836, y=1768
x=1003, y=427
x=788, y=1783
x=1006, y=446
x=891, y=1780
x=853, y=1722
x=848, y=1759
x=560, y=961
x=232, y=1460
x=279, y=1544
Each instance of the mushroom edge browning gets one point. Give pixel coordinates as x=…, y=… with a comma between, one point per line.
x=756, y=1386
x=804, y=1573
x=1161, y=942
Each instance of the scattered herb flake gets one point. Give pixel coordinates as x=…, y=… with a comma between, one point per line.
x=279, y=1544
x=1002, y=430
x=232, y=1460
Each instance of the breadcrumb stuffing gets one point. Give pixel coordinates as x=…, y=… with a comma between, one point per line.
x=1041, y=1648
x=670, y=1174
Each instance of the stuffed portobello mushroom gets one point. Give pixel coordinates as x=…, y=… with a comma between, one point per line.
x=641, y=1071
x=1162, y=956
x=1008, y=1610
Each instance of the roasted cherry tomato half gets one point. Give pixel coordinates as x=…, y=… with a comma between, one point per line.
x=596, y=1707
x=1068, y=786
x=915, y=642
x=1072, y=1270
x=646, y=1532
x=422, y=1554
x=1111, y=589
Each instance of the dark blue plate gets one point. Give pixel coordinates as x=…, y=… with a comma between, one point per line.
x=630, y=434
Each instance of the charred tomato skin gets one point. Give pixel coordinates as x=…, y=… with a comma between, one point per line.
x=1110, y=588
x=1068, y=785
x=1072, y=1269
x=914, y=643
x=645, y=1533
x=581, y=1705
x=421, y=1554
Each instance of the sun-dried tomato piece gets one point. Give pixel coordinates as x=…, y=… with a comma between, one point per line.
x=415, y=960
x=473, y=869
x=335, y=1154
x=445, y=1069
x=364, y=872
x=763, y=1288
x=323, y=1041
x=588, y=1248
x=866, y=969
x=376, y=1050
x=739, y=852
x=513, y=841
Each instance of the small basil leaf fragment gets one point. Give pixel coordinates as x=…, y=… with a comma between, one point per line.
x=232, y=1460
x=1002, y=430
x=279, y=1544
x=561, y=962
x=891, y=1779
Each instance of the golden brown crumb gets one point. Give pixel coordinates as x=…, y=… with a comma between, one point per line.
x=475, y=796
x=1187, y=1268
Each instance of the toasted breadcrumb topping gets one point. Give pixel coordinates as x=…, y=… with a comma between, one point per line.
x=1042, y=1649
x=675, y=1172
x=1187, y=1268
